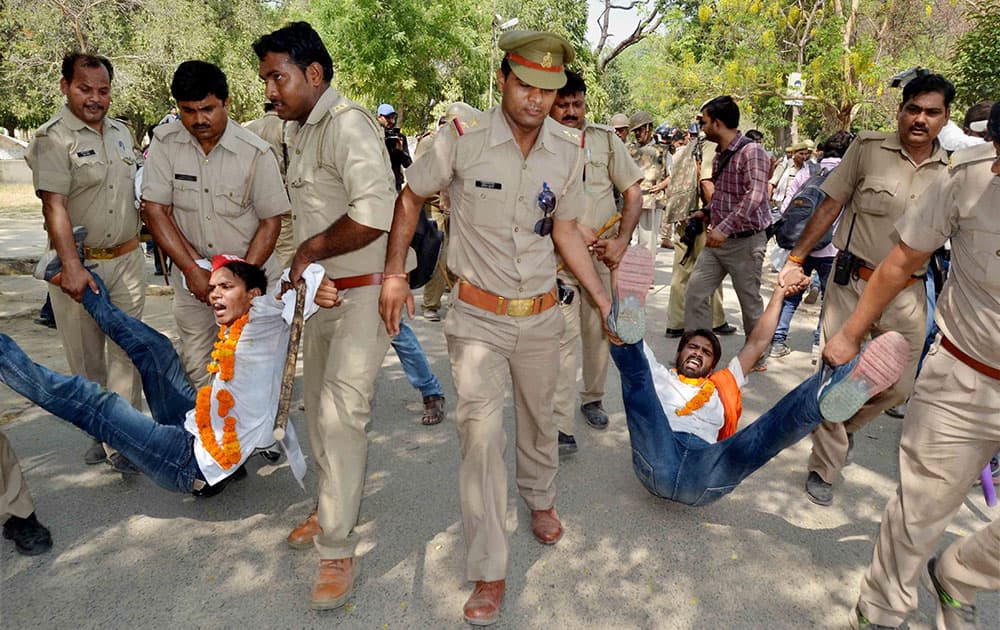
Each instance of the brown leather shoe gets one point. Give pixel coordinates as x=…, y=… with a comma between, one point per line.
x=335, y=583
x=545, y=526
x=483, y=606
x=302, y=536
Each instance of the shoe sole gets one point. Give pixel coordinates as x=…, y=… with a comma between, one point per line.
x=489, y=621
x=548, y=542
x=564, y=450
x=340, y=601
x=299, y=546
x=633, y=278
x=879, y=367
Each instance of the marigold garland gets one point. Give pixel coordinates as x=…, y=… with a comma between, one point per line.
x=227, y=454
x=705, y=391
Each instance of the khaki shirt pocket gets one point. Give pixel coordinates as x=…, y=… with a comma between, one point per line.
x=487, y=207
x=876, y=196
x=597, y=163
x=229, y=202
x=987, y=249
x=88, y=171
x=187, y=196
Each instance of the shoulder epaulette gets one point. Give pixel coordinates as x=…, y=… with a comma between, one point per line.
x=244, y=134
x=44, y=129
x=462, y=127
x=601, y=127
x=167, y=129
x=570, y=135
x=971, y=155
x=867, y=136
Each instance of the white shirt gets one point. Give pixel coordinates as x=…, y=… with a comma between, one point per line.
x=706, y=421
x=255, y=386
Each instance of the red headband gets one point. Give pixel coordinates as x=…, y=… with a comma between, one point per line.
x=220, y=260
x=532, y=64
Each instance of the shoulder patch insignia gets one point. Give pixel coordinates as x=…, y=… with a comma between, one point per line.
x=971, y=155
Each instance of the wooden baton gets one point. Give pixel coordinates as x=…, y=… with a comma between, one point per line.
x=612, y=222
x=288, y=374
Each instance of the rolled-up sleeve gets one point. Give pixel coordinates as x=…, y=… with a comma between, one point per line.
x=433, y=169
x=934, y=217
x=361, y=158
x=157, y=176
x=269, y=196
x=48, y=159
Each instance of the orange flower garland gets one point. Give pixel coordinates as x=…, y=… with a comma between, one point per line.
x=228, y=454
x=707, y=388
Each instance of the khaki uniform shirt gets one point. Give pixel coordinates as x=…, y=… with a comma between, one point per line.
x=963, y=204
x=876, y=181
x=654, y=161
x=95, y=172
x=337, y=165
x=271, y=129
x=682, y=195
x=608, y=167
x=494, y=199
x=218, y=202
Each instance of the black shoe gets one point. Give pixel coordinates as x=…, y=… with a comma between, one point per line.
x=95, y=454
x=819, y=491
x=595, y=415
x=30, y=537
x=567, y=444
x=673, y=332
x=123, y=465
x=211, y=491
x=724, y=329
x=48, y=322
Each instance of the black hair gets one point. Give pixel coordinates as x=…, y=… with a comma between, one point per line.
x=505, y=67
x=707, y=334
x=929, y=83
x=574, y=85
x=836, y=145
x=87, y=61
x=251, y=275
x=194, y=80
x=302, y=44
x=756, y=135
x=725, y=109
x=979, y=111
x=993, y=127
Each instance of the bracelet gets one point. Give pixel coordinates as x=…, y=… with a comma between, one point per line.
x=796, y=259
x=404, y=276
x=185, y=272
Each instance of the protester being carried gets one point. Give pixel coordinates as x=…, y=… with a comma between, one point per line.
x=682, y=421
x=195, y=441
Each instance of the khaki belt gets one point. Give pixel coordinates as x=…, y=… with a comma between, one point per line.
x=107, y=253
x=975, y=364
x=865, y=273
x=353, y=282
x=512, y=307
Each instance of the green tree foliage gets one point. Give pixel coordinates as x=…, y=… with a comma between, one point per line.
x=978, y=57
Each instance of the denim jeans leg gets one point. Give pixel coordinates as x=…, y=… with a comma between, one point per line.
x=168, y=391
x=788, y=307
x=655, y=451
x=163, y=452
x=414, y=361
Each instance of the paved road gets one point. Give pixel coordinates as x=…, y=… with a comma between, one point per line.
x=129, y=554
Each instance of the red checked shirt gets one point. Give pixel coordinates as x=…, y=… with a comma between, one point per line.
x=739, y=203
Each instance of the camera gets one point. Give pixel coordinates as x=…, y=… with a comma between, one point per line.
x=565, y=293
x=844, y=267
x=393, y=137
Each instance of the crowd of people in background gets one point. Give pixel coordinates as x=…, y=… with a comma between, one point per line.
x=544, y=265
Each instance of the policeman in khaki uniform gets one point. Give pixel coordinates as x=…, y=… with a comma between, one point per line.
x=608, y=167
x=83, y=167
x=342, y=190
x=952, y=427
x=209, y=187
x=654, y=160
x=514, y=176
x=880, y=176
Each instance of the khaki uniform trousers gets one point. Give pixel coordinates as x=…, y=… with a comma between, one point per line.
x=647, y=232
x=88, y=352
x=952, y=429
x=436, y=286
x=582, y=325
x=15, y=500
x=485, y=349
x=739, y=258
x=907, y=314
x=679, y=277
x=343, y=349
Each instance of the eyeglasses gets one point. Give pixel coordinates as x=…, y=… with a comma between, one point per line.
x=547, y=204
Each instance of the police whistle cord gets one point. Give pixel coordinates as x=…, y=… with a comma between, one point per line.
x=288, y=374
x=612, y=222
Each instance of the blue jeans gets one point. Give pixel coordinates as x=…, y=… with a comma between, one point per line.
x=415, y=366
x=789, y=305
x=685, y=468
x=159, y=446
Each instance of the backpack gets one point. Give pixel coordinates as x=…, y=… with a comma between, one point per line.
x=788, y=228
